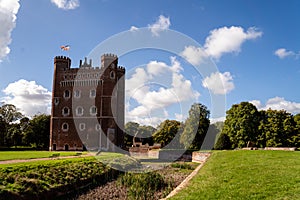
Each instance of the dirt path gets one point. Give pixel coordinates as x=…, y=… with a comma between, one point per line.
x=38, y=159
x=186, y=180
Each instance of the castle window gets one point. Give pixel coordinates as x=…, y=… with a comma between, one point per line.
x=79, y=111
x=93, y=110
x=77, y=93
x=67, y=94
x=65, y=111
x=82, y=126
x=112, y=74
x=65, y=127
x=93, y=93
x=56, y=101
x=98, y=127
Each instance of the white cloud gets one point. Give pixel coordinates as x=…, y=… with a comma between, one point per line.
x=163, y=23
x=283, y=53
x=219, y=83
x=194, y=55
x=219, y=119
x=28, y=96
x=66, y=4
x=228, y=40
x=133, y=28
x=170, y=88
x=8, y=12
x=220, y=41
x=278, y=103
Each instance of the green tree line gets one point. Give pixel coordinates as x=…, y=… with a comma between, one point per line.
x=17, y=130
x=246, y=126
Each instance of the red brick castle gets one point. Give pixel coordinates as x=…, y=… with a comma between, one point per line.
x=87, y=105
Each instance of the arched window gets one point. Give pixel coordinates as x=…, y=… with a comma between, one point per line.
x=98, y=127
x=79, y=111
x=77, y=93
x=67, y=94
x=93, y=110
x=82, y=126
x=93, y=93
x=112, y=75
x=65, y=111
x=65, y=127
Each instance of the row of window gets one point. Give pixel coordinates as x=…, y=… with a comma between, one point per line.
x=79, y=76
x=79, y=111
x=77, y=93
x=81, y=127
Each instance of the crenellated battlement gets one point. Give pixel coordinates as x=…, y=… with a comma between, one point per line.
x=62, y=58
x=109, y=55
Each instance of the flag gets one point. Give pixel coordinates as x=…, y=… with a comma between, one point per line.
x=65, y=47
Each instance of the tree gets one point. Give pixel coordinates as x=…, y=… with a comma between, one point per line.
x=131, y=129
x=211, y=136
x=145, y=134
x=223, y=142
x=37, y=133
x=277, y=129
x=241, y=124
x=296, y=138
x=196, y=126
x=9, y=113
x=166, y=132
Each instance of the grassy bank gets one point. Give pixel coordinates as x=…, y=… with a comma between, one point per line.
x=23, y=155
x=51, y=178
x=246, y=175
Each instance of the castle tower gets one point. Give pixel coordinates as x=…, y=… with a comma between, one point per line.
x=87, y=105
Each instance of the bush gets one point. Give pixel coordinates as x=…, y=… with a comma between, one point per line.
x=142, y=186
x=181, y=166
x=223, y=142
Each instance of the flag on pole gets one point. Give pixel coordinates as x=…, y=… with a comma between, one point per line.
x=65, y=47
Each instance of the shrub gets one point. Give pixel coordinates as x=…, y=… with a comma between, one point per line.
x=223, y=142
x=143, y=185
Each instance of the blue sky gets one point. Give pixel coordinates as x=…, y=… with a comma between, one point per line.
x=252, y=46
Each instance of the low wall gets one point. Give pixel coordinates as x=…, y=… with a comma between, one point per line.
x=200, y=156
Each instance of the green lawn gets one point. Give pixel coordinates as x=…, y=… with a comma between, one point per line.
x=13, y=155
x=246, y=175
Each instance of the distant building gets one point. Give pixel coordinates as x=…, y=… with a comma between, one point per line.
x=87, y=105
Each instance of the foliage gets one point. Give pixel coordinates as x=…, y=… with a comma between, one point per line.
x=211, y=136
x=37, y=132
x=167, y=131
x=246, y=175
x=31, y=179
x=277, y=127
x=141, y=133
x=131, y=129
x=223, y=142
x=196, y=126
x=10, y=113
x=241, y=124
x=143, y=185
x=181, y=165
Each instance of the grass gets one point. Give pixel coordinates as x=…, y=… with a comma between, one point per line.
x=23, y=155
x=246, y=175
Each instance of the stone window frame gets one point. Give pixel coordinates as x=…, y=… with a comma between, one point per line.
x=77, y=111
x=77, y=94
x=67, y=94
x=82, y=126
x=98, y=127
x=112, y=75
x=65, y=127
x=65, y=111
x=93, y=93
x=93, y=110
